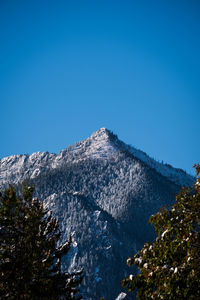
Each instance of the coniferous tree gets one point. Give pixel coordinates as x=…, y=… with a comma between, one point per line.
x=170, y=266
x=30, y=261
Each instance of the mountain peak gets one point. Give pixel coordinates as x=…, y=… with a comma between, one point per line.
x=102, y=133
x=99, y=145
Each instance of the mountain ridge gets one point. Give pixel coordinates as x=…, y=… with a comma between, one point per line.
x=102, y=144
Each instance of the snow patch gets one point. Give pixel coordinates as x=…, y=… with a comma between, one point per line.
x=96, y=214
x=121, y=296
x=72, y=254
x=35, y=173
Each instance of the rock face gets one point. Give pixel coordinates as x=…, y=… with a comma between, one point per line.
x=103, y=192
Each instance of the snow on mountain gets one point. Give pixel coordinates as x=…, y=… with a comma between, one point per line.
x=102, y=191
x=98, y=146
x=121, y=296
x=176, y=175
x=18, y=167
x=102, y=144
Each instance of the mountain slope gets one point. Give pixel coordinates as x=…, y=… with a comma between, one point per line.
x=103, y=192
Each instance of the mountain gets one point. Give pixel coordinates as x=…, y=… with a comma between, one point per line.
x=103, y=192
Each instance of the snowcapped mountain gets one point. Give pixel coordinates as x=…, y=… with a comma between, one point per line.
x=103, y=192
x=101, y=145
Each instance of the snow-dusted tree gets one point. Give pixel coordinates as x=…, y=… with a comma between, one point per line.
x=170, y=266
x=30, y=261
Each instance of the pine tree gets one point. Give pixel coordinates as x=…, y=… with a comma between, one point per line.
x=30, y=261
x=170, y=266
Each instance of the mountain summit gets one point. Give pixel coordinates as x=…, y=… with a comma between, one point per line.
x=98, y=146
x=102, y=191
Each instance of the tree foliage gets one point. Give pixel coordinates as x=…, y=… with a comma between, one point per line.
x=30, y=260
x=169, y=268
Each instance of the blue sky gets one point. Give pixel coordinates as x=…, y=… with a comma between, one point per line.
x=68, y=68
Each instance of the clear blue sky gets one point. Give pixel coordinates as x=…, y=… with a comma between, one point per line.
x=68, y=68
